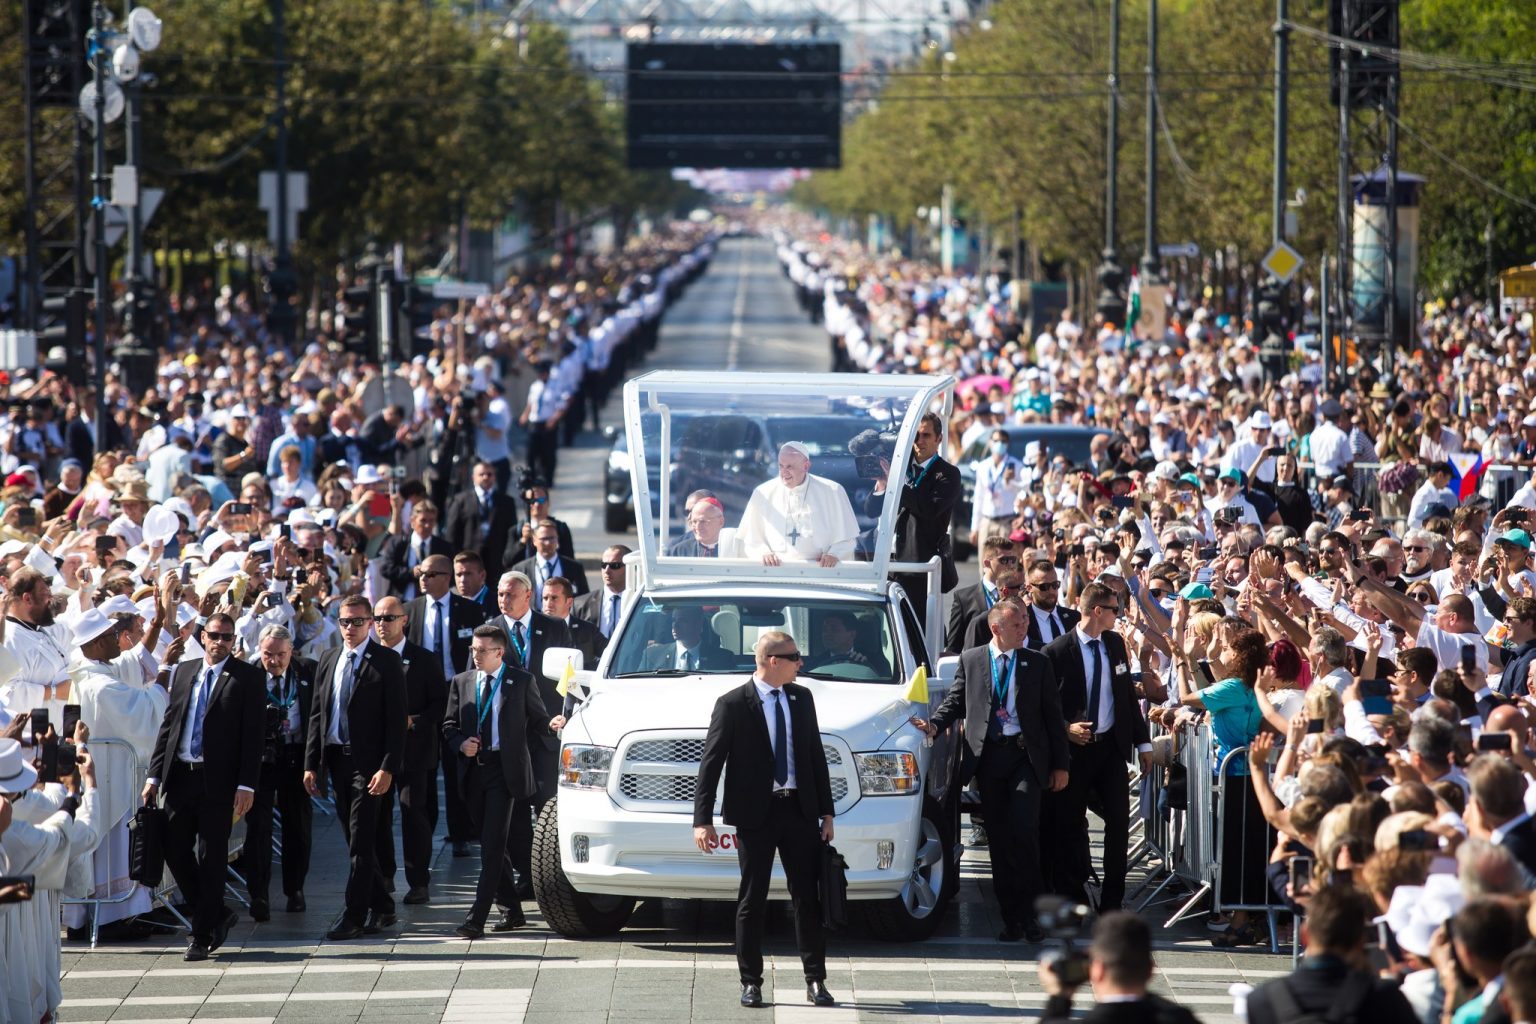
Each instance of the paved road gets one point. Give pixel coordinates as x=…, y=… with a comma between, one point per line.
x=674, y=962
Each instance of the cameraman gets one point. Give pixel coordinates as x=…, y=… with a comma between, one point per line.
x=1119, y=971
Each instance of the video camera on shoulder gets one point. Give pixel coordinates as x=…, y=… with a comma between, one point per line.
x=1067, y=928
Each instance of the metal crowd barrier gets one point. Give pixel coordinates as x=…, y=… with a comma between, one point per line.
x=158, y=894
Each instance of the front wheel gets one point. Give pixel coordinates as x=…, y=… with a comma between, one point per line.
x=573, y=914
x=915, y=914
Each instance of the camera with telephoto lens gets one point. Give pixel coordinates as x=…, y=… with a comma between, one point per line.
x=1066, y=926
x=869, y=448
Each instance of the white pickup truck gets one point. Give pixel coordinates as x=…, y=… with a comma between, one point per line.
x=620, y=828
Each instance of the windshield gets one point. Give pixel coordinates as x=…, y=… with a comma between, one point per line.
x=840, y=640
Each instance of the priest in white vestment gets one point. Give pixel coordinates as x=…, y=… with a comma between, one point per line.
x=119, y=700
x=798, y=516
x=41, y=841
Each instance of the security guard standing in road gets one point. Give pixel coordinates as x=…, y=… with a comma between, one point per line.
x=778, y=796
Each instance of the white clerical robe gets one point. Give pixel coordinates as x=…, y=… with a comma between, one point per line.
x=799, y=523
x=114, y=708
x=41, y=842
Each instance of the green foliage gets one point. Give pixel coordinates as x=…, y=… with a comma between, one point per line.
x=1018, y=119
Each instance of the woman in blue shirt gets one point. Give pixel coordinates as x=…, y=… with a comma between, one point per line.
x=1236, y=719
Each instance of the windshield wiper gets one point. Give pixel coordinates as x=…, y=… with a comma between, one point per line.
x=652, y=672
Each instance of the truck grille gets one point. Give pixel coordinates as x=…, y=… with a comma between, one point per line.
x=664, y=771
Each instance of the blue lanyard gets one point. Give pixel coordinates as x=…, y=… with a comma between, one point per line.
x=1000, y=679
x=483, y=711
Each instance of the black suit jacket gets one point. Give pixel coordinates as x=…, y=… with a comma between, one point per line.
x=1037, y=702
x=543, y=633
x=1130, y=728
x=965, y=603
x=738, y=744
x=462, y=529
x=395, y=556
x=518, y=549
x=426, y=695
x=463, y=616
x=1319, y=982
x=233, y=727
x=523, y=724
x=375, y=714
x=569, y=568
x=1069, y=619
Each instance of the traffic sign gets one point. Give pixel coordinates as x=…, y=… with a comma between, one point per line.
x=1283, y=262
x=1175, y=249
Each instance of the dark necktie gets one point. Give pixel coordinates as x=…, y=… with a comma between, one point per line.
x=348, y=677
x=1092, y=712
x=780, y=746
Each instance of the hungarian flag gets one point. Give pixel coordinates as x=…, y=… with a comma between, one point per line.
x=1133, y=313
x=1467, y=470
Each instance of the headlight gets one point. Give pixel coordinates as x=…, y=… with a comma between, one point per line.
x=620, y=461
x=887, y=773
x=585, y=767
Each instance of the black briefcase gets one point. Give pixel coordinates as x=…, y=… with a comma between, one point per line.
x=834, y=887
x=146, y=845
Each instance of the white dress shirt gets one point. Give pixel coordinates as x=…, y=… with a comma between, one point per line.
x=333, y=731
x=765, y=694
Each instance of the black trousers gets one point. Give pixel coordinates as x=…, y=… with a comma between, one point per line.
x=282, y=788
x=418, y=799
x=797, y=840
x=198, y=816
x=543, y=451
x=1097, y=779
x=493, y=809
x=359, y=815
x=546, y=765
x=1010, y=802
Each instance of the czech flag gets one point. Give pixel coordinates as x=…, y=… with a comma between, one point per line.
x=1467, y=470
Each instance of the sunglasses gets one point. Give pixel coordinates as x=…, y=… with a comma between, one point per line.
x=612, y=566
x=388, y=618
x=353, y=621
x=794, y=656
x=217, y=637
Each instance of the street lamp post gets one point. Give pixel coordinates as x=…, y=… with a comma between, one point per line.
x=1111, y=303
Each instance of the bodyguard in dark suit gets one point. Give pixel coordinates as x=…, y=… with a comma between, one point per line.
x=442, y=622
x=357, y=740
x=547, y=561
x=529, y=635
x=928, y=499
x=998, y=553
x=1047, y=619
x=1016, y=747
x=207, y=767
x=426, y=695
x=495, y=718
x=289, y=686
x=400, y=555
x=1105, y=729
x=778, y=796
x=481, y=519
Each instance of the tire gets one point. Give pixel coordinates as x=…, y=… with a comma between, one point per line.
x=916, y=914
x=574, y=915
x=615, y=518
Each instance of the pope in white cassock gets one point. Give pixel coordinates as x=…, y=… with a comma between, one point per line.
x=798, y=516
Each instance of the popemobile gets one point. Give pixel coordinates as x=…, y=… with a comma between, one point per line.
x=805, y=547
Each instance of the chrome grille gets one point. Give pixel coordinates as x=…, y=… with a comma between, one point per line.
x=667, y=750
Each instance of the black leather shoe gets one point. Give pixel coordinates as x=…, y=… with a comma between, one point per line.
x=510, y=920
x=296, y=904
x=1010, y=933
x=196, y=951
x=344, y=930
x=751, y=995
x=377, y=922
x=816, y=992
x=261, y=910
x=470, y=930
x=417, y=895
